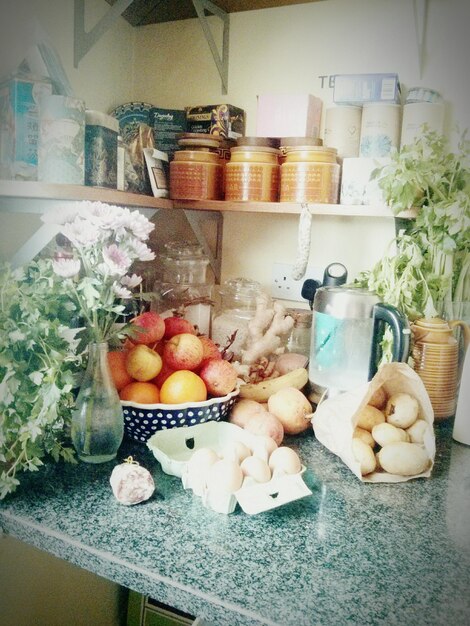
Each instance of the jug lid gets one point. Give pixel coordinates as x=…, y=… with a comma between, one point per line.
x=345, y=302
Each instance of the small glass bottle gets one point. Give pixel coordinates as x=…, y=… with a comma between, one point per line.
x=299, y=339
x=237, y=307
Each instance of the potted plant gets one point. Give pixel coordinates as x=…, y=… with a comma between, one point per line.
x=426, y=270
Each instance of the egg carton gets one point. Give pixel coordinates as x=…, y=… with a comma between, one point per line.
x=174, y=447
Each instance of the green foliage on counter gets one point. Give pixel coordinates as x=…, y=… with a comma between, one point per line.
x=428, y=271
x=39, y=361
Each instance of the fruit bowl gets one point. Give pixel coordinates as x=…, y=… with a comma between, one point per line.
x=141, y=421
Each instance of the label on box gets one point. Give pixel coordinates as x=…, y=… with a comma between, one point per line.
x=167, y=124
x=361, y=88
x=224, y=120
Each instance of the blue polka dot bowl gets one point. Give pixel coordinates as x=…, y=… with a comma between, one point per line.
x=141, y=421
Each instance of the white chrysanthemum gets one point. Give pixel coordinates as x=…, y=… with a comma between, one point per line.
x=140, y=250
x=67, y=268
x=139, y=225
x=116, y=259
x=131, y=281
x=122, y=292
x=81, y=233
x=63, y=214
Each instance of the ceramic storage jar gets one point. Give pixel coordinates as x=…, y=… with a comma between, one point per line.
x=196, y=172
x=252, y=174
x=310, y=174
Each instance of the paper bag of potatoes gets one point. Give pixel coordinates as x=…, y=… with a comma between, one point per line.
x=382, y=431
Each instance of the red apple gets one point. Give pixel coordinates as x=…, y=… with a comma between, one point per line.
x=183, y=352
x=210, y=348
x=150, y=328
x=143, y=363
x=219, y=376
x=163, y=375
x=176, y=325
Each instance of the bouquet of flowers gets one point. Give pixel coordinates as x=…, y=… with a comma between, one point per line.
x=47, y=310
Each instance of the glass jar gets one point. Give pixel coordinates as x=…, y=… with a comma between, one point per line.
x=237, y=307
x=252, y=174
x=184, y=288
x=299, y=338
x=196, y=172
x=310, y=174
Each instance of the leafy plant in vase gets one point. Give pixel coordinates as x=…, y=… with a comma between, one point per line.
x=49, y=310
x=426, y=271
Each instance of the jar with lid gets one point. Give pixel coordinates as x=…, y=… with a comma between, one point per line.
x=310, y=174
x=252, y=174
x=184, y=288
x=236, y=308
x=196, y=171
x=299, y=338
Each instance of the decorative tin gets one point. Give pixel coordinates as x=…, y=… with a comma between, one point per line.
x=101, y=142
x=380, y=129
x=61, y=151
x=252, y=174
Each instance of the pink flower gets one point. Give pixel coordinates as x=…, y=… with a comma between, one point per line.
x=131, y=281
x=67, y=268
x=122, y=292
x=116, y=260
x=141, y=250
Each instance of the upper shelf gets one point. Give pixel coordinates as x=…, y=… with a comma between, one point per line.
x=20, y=190
x=142, y=12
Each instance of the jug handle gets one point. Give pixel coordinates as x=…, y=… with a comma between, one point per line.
x=465, y=331
x=398, y=323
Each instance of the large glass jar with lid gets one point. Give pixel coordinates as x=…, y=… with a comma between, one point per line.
x=236, y=308
x=184, y=287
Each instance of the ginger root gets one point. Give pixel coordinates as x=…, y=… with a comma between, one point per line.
x=267, y=331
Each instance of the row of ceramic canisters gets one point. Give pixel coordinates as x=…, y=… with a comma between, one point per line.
x=299, y=170
x=373, y=129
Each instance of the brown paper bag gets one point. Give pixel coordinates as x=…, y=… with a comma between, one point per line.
x=335, y=418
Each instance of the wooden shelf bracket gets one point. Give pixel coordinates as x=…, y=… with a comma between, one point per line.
x=201, y=6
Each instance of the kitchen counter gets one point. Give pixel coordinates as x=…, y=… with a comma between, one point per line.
x=349, y=553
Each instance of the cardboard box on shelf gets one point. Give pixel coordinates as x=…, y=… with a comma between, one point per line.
x=362, y=88
x=224, y=120
x=288, y=115
x=19, y=125
x=166, y=125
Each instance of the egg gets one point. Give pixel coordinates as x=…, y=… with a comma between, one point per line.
x=198, y=468
x=264, y=446
x=256, y=468
x=236, y=451
x=284, y=460
x=225, y=477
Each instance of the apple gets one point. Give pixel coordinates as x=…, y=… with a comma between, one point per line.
x=176, y=325
x=219, y=376
x=143, y=363
x=183, y=352
x=210, y=348
x=162, y=375
x=150, y=328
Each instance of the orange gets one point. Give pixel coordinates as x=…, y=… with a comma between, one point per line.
x=183, y=386
x=117, y=365
x=142, y=393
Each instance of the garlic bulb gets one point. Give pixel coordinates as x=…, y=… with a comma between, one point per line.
x=131, y=483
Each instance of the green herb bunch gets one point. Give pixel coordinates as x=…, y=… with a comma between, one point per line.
x=426, y=270
x=39, y=361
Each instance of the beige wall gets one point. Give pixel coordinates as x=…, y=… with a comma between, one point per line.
x=169, y=65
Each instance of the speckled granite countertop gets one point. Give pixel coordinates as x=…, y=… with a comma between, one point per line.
x=350, y=553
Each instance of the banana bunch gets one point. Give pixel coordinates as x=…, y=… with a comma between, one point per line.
x=262, y=390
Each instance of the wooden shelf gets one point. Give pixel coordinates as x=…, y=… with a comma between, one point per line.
x=44, y=191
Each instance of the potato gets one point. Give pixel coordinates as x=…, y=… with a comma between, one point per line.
x=364, y=455
x=265, y=423
x=417, y=431
x=292, y=409
x=403, y=458
x=364, y=435
x=401, y=410
x=378, y=399
x=386, y=433
x=369, y=416
x=243, y=410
